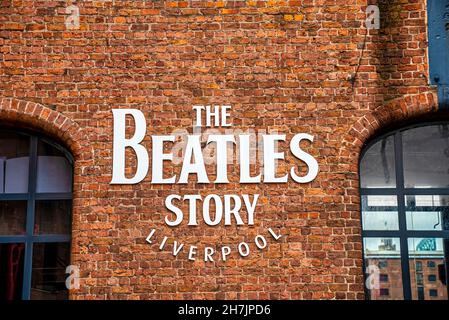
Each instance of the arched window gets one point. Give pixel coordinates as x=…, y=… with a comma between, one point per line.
x=404, y=179
x=35, y=217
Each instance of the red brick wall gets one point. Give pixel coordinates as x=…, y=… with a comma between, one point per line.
x=283, y=65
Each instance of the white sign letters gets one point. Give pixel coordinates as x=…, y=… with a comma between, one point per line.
x=228, y=209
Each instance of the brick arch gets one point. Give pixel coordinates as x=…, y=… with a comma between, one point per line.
x=39, y=118
x=42, y=119
x=396, y=111
x=365, y=127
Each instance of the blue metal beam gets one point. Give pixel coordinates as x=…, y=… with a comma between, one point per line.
x=438, y=17
x=443, y=96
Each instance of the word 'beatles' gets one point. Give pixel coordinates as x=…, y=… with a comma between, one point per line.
x=193, y=162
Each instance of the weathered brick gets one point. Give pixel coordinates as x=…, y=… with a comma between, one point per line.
x=284, y=65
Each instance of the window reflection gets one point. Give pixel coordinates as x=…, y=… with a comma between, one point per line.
x=427, y=212
x=14, y=162
x=383, y=268
x=48, y=277
x=426, y=157
x=54, y=174
x=27, y=175
x=377, y=168
x=397, y=219
x=428, y=281
x=11, y=270
x=52, y=217
x=13, y=217
x=380, y=213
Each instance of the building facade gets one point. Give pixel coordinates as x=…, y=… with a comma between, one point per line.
x=373, y=223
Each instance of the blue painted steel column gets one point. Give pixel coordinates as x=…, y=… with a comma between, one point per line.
x=28, y=263
x=438, y=17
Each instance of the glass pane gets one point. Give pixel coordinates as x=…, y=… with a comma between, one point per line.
x=426, y=157
x=380, y=213
x=11, y=270
x=54, y=171
x=427, y=212
x=52, y=217
x=428, y=268
x=383, y=268
x=14, y=162
x=13, y=217
x=50, y=261
x=377, y=168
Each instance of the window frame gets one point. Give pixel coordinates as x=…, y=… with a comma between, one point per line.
x=400, y=192
x=384, y=278
x=432, y=278
x=29, y=238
